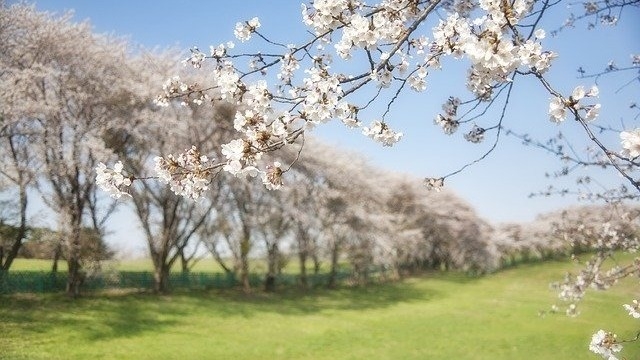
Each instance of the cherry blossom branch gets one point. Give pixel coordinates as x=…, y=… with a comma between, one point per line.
x=497, y=138
x=611, y=156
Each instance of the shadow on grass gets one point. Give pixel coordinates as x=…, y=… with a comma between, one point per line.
x=294, y=301
x=457, y=277
x=126, y=314
x=103, y=316
x=93, y=316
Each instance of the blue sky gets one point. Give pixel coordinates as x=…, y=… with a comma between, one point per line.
x=499, y=186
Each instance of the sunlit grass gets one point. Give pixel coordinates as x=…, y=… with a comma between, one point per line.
x=206, y=265
x=143, y=264
x=20, y=264
x=440, y=316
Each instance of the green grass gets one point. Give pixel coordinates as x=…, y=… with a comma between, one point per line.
x=441, y=316
x=20, y=264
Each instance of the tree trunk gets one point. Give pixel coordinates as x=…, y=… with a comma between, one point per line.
x=161, y=279
x=56, y=257
x=5, y=262
x=303, y=253
x=333, y=273
x=302, y=257
x=7, y=259
x=216, y=255
x=74, y=277
x=316, y=263
x=270, y=283
x=272, y=268
x=244, y=264
x=184, y=262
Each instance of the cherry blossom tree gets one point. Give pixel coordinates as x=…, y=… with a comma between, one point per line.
x=16, y=171
x=342, y=203
x=243, y=213
x=171, y=224
x=64, y=103
x=17, y=178
x=274, y=228
x=437, y=231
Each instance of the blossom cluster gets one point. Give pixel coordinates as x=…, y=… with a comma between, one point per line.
x=475, y=135
x=634, y=310
x=434, y=184
x=418, y=82
x=605, y=343
x=272, y=178
x=243, y=31
x=494, y=52
x=187, y=173
x=322, y=93
x=196, y=59
x=574, y=287
x=558, y=106
x=387, y=25
x=175, y=88
x=447, y=121
x=327, y=15
x=288, y=67
x=380, y=132
x=630, y=143
x=111, y=180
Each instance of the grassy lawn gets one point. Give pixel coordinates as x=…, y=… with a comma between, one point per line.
x=20, y=264
x=442, y=316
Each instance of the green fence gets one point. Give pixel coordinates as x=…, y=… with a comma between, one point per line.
x=45, y=282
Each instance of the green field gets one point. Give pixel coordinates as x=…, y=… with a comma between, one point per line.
x=440, y=316
x=205, y=265
x=208, y=265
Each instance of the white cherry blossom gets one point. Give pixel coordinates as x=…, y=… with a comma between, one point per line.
x=605, y=344
x=634, y=310
x=187, y=174
x=243, y=31
x=380, y=132
x=111, y=180
x=557, y=110
x=630, y=143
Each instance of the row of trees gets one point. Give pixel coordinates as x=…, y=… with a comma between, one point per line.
x=75, y=98
x=568, y=232
x=70, y=106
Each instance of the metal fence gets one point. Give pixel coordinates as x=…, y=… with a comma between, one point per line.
x=47, y=282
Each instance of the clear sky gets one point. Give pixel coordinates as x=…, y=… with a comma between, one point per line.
x=499, y=186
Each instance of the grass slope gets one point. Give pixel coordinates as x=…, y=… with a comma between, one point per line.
x=443, y=316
